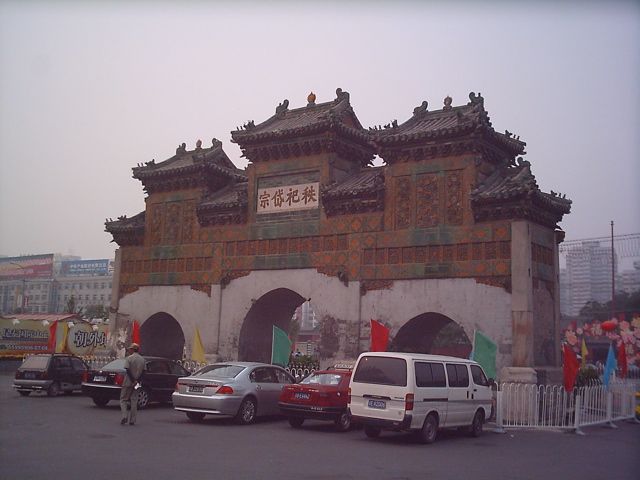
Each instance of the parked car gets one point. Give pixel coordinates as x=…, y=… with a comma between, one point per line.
x=242, y=390
x=418, y=393
x=322, y=395
x=158, y=381
x=52, y=373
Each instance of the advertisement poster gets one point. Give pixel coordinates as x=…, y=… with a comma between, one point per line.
x=85, y=267
x=25, y=337
x=34, y=266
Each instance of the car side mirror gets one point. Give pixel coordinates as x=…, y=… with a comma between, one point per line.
x=492, y=383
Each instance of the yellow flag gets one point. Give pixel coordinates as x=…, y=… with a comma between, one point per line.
x=584, y=352
x=62, y=330
x=197, y=350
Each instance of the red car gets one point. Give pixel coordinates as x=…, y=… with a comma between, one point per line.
x=321, y=396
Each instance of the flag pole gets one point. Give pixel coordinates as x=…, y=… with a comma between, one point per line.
x=613, y=278
x=273, y=341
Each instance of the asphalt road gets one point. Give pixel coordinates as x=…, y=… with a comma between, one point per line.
x=67, y=437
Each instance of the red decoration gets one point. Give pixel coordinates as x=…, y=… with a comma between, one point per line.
x=609, y=325
x=135, y=334
x=622, y=360
x=52, y=337
x=379, y=337
x=570, y=367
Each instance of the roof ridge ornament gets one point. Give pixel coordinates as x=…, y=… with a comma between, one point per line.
x=422, y=108
x=341, y=95
x=476, y=99
x=311, y=99
x=282, y=108
x=447, y=103
x=199, y=145
x=215, y=143
x=182, y=148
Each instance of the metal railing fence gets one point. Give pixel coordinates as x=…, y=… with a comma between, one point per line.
x=552, y=407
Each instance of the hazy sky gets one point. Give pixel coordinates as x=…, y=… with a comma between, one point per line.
x=88, y=90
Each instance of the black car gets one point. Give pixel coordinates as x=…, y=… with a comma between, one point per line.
x=52, y=373
x=158, y=381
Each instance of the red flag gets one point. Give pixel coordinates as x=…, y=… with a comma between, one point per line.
x=135, y=334
x=622, y=360
x=570, y=367
x=379, y=337
x=52, y=337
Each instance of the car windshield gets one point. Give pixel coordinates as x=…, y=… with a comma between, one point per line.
x=219, y=371
x=115, y=365
x=36, y=362
x=322, y=379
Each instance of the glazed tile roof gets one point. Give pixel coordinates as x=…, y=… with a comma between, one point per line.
x=515, y=182
x=232, y=197
x=449, y=121
x=185, y=161
x=337, y=114
x=123, y=223
x=366, y=181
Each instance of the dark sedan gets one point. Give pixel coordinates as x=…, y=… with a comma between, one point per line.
x=52, y=373
x=158, y=382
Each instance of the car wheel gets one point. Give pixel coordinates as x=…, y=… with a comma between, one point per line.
x=53, y=390
x=371, y=432
x=296, y=422
x=475, y=430
x=429, y=430
x=100, y=401
x=247, y=412
x=143, y=398
x=195, y=416
x=343, y=422
x=24, y=393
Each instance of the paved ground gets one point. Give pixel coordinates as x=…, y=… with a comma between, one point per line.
x=68, y=438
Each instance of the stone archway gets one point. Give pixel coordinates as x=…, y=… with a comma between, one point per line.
x=161, y=335
x=273, y=308
x=432, y=333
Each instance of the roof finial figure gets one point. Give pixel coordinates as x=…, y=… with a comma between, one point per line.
x=447, y=102
x=422, y=108
x=182, y=148
x=198, y=144
x=216, y=143
x=282, y=107
x=311, y=99
x=476, y=99
x=341, y=95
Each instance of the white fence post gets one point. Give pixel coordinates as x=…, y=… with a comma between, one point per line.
x=610, y=409
x=576, y=415
x=499, y=426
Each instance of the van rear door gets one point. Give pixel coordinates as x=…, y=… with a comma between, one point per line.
x=378, y=388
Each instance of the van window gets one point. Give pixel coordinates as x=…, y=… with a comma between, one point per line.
x=479, y=378
x=430, y=375
x=458, y=375
x=382, y=371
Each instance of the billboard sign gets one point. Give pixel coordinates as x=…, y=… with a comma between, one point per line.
x=23, y=337
x=34, y=266
x=86, y=339
x=85, y=267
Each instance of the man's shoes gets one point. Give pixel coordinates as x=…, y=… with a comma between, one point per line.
x=132, y=423
x=123, y=421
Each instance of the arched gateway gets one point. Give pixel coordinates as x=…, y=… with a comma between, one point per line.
x=451, y=235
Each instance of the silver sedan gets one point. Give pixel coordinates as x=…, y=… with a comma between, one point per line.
x=242, y=390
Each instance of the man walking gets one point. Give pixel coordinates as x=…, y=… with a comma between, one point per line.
x=134, y=365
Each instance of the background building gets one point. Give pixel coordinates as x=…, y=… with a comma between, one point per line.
x=45, y=283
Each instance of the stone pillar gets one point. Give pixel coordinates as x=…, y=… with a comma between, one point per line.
x=521, y=295
x=559, y=238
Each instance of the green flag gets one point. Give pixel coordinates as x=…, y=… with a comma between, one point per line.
x=280, y=347
x=484, y=352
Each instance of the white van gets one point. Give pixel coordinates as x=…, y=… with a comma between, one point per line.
x=418, y=393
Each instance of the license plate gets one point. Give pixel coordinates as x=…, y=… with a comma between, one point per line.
x=195, y=389
x=99, y=378
x=29, y=375
x=380, y=404
x=301, y=396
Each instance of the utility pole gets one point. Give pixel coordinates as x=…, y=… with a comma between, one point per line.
x=24, y=285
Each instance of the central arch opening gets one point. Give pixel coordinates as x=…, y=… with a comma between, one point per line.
x=273, y=308
x=432, y=333
x=161, y=335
